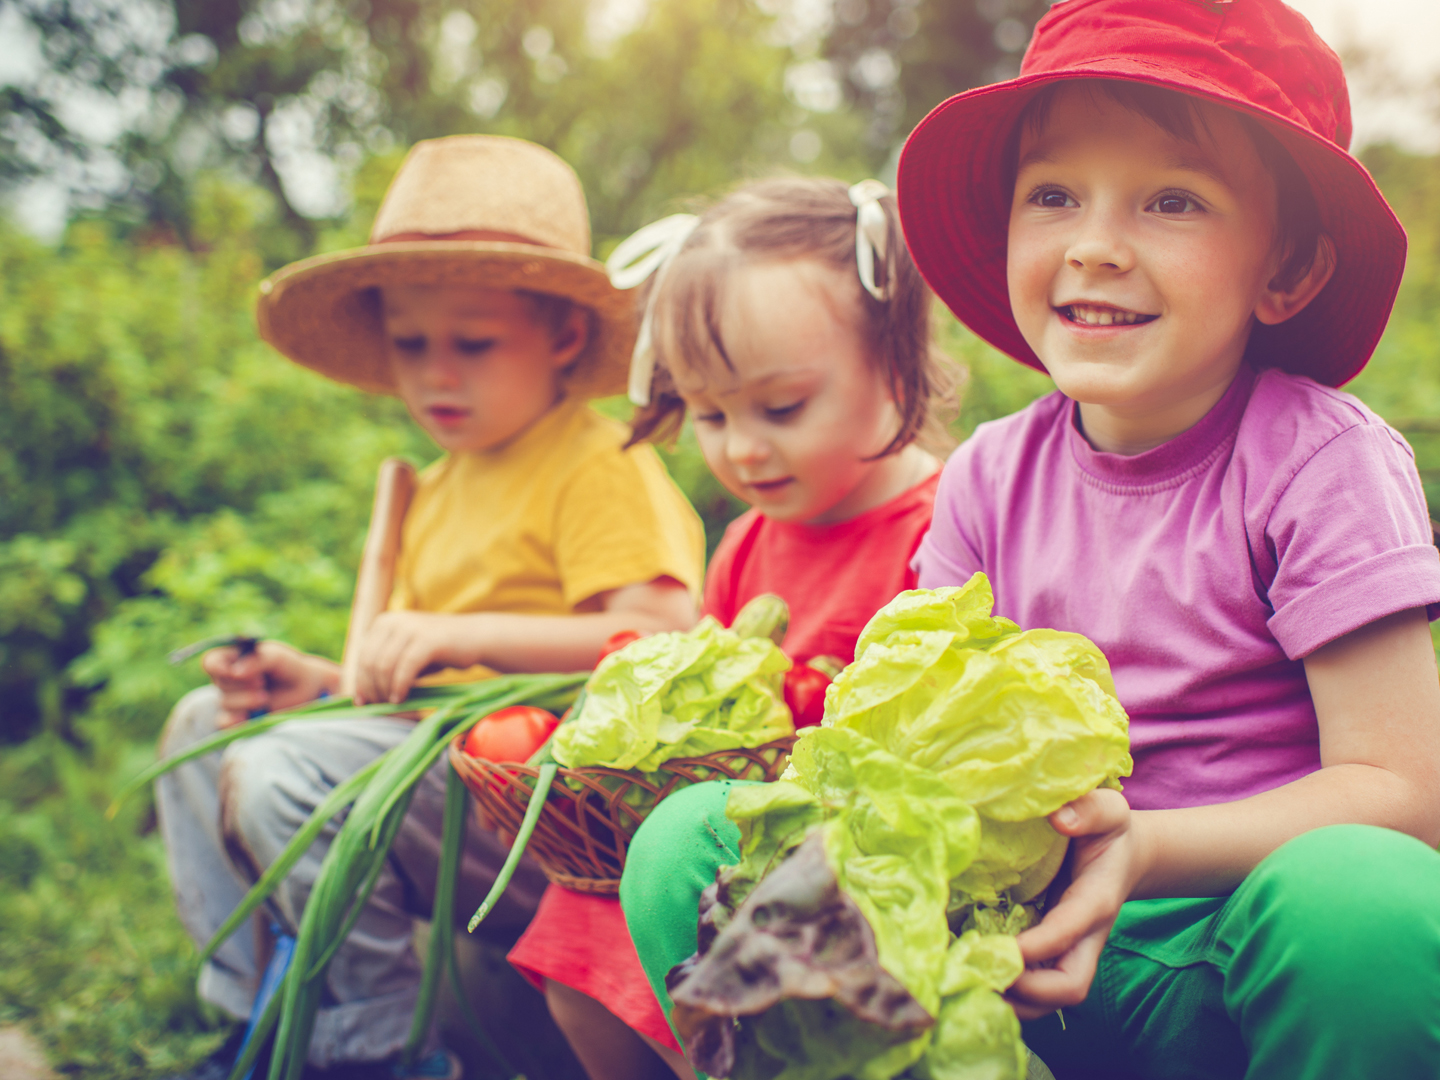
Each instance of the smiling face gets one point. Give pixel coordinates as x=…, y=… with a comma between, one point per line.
x=789, y=428
x=475, y=367
x=1138, y=261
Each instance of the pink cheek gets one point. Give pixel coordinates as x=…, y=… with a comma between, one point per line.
x=712, y=449
x=1029, y=272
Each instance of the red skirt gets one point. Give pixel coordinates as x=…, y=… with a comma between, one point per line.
x=581, y=941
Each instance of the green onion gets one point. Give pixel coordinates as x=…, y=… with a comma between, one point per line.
x=341, y=796
x=380, y=793
x=517, y=849
x=258, y=1036
x=362, y=844
x=421, y=697
x=442, y=929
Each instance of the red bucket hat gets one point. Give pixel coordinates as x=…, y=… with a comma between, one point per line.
x=1255, y=56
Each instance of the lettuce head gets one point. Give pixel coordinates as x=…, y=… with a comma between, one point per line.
x=678, y=695
x=869, y=927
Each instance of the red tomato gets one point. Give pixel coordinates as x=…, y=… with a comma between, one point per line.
x=617, y=641
x=805, y=694
x=511, y=734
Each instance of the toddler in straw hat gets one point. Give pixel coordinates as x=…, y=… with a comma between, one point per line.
x=534, y=538
x=1161, y=213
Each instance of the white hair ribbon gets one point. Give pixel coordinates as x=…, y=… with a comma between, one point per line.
x=872, y=237
x=647, y=251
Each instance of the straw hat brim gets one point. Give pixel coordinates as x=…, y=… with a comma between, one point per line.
x=324, y=312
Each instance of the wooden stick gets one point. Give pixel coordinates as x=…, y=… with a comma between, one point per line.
x=394, y=488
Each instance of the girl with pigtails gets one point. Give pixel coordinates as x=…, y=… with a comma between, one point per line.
x=788, y=323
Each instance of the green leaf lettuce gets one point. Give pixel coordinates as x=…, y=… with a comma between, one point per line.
x=678, y=695
x=920, y=805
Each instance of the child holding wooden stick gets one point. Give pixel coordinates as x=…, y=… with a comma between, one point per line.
x=535, y=538
x=790, y=325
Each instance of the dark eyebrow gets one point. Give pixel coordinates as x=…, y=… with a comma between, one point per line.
x=1189, y=162
x=1198, y=163
x=1037, y=154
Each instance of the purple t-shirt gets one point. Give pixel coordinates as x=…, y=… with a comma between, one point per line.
x=1206, y=568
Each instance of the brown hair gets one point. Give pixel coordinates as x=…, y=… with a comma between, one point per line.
x=551, y=311
x=790, y=218
x=1297, y=214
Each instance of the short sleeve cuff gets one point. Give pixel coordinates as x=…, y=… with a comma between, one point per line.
x=580, y=588
x=934, y=569
x=1382, y=585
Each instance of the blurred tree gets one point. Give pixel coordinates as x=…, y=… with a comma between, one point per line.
x=649, y=99
x=672, y=99
x=897, y=59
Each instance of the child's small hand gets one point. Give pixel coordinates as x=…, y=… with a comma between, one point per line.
x=1102, y=869
x=400, y=646
x=274, y=676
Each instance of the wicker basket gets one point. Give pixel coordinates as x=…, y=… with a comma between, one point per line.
x=582, y=836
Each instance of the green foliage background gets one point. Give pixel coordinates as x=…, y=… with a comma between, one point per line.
x=164, y=476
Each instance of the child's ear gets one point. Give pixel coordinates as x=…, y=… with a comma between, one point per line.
x=1281, y=301
x=571, y=338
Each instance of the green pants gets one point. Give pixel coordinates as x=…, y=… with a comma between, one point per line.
x=1324, y=964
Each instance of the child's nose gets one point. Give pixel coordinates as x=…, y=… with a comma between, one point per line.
x=1099, y=245
x=745, y=447
x=442, y=369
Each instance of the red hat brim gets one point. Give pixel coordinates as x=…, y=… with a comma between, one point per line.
x=955, y=210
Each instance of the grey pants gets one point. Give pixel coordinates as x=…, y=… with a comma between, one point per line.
x=227, y=816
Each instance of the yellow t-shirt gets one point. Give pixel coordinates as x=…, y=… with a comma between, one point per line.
x=545, y=522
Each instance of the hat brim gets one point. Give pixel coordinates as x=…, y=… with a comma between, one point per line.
x=324, y=313
x=956, y=214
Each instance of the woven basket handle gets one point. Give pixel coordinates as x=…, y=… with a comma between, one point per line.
x=394, y=488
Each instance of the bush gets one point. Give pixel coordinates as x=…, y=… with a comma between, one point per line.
x=92, y=959
x=143, y=418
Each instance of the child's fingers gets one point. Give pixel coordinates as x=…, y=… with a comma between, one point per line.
x=369, y=684
x=366, y=688
x=245, y=700
x=222, y=665
x=1084, y=907
x=378, y=657
x=1100, y=811
x=1064, y=985
x=238, y=704
x=413, y=659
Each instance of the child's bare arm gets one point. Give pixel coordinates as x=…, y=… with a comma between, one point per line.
x=1377, y=698
x=402, y=645
x=274, y=676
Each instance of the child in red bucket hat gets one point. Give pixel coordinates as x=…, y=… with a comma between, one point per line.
x=1160, y=212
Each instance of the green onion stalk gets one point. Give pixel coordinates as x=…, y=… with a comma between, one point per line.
x=549, y=769
x=379, y=796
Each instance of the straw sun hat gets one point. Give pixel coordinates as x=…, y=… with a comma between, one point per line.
x=324, y=312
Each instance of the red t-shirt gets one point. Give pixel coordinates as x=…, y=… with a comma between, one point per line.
x=834, y=577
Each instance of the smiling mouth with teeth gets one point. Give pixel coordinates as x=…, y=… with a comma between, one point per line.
x=1090, y=315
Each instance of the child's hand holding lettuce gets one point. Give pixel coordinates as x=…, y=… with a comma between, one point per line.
x=870, y=925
